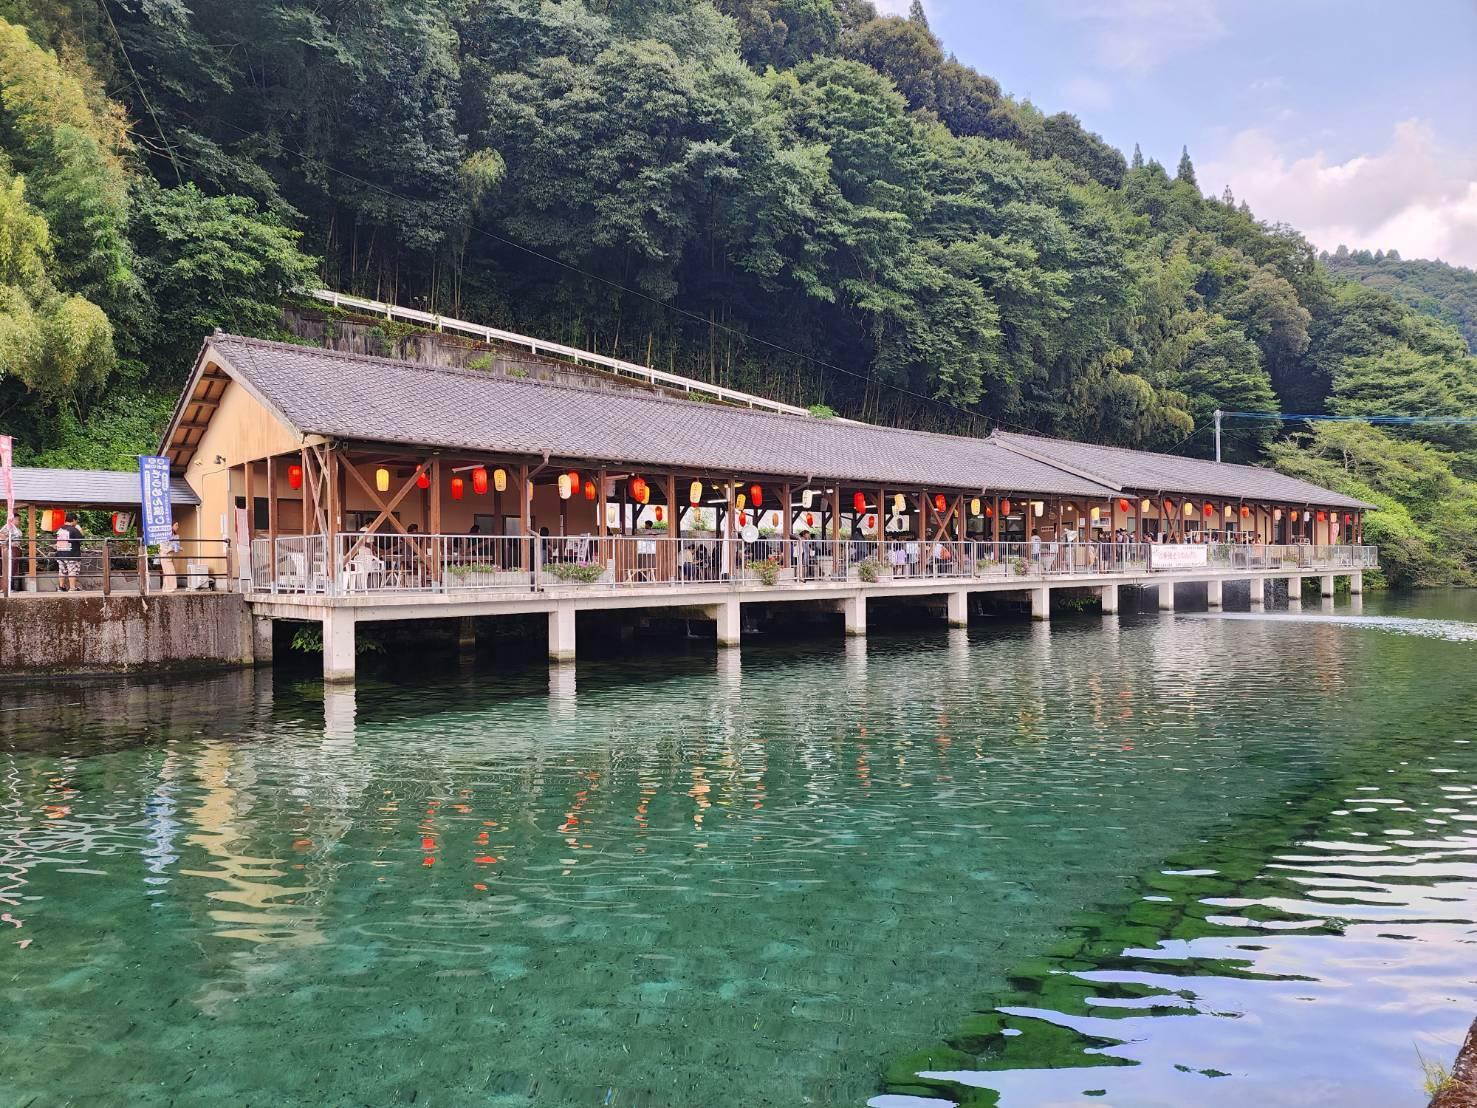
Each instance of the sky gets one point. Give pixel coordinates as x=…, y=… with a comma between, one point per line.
x=1353, y=120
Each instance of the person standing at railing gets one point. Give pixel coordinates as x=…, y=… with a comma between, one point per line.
x=69, y=538
x=1035, y=550
x=168, y=550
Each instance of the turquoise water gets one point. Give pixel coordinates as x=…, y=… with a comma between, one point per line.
x=1137, y=861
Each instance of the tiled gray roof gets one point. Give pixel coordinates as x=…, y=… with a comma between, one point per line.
x=356, y=397
x=359, y=398
x=1142, y=472
x=88, y=488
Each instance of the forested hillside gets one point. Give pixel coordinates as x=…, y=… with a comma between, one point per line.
x=790, y=196
x=1448, y=292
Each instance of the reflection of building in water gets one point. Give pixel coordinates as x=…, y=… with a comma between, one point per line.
x=250, y=905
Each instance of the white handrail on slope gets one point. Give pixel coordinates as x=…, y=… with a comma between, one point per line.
x=494, y=334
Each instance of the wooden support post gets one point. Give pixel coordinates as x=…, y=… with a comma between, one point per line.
x=272, y=516
x=250, y=490
x=433, y=520
x=107, y=570
x=787, y=522
x=525, y=517
x=602, y=511
x=328, y=464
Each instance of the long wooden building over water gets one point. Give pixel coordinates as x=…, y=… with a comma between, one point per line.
x=362, y=488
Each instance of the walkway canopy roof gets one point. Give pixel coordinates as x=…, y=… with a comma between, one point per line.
x=1139, y=471
x=89, y=488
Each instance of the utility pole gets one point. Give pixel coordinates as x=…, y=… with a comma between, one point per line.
x=1217, y=434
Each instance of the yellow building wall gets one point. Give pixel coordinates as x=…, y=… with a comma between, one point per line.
x=241, y=430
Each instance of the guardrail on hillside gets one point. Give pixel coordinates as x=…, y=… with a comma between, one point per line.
x=633, y=370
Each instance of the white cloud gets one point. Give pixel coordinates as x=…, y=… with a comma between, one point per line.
x=1416, y=195
x=1136, y=35
x=894, y=7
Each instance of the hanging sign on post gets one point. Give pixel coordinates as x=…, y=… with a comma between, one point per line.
x=7, y=483
x=156, y=517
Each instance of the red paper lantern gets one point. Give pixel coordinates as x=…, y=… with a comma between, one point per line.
x=458, y=486
x=1209, y=509
x=479, y=480
x=1348, y=517
x=809, y=519
x=1245, y=512
x=939, y=502
x=756, y=495
x=1322, y=517
x=1169, y=507
x=589, y=490
x=120, y=523
x=659, y=513
x=990, y=512
x=294, y=477
x=1123, y=505
x=423, y=481
x=638, y=489
x=858, y=502
x=743, y=519
x=870, y=521
x=1005, y=507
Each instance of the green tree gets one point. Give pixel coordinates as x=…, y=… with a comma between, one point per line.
x=1186, y=170
x=208, y=262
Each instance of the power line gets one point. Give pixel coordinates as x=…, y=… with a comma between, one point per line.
x=1318, y=417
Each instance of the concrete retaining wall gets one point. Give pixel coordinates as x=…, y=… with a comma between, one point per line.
x=123, y=634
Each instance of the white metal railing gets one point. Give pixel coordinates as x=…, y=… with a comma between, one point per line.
x=538, y=346
x=387, y=563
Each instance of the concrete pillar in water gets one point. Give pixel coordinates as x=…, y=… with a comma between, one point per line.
x=561, y=633
x=466, y=634
x=1294, y=594
x=1109, y=593
x=1212, y=594
x=1166, y=596
x=728, y=616
x=338, y=644
x=1325, y=584
x=1258, y=586
x=959, y=609
x=1356, y=584
x=261, y=640
x=853, y=610
x=1041, y=603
